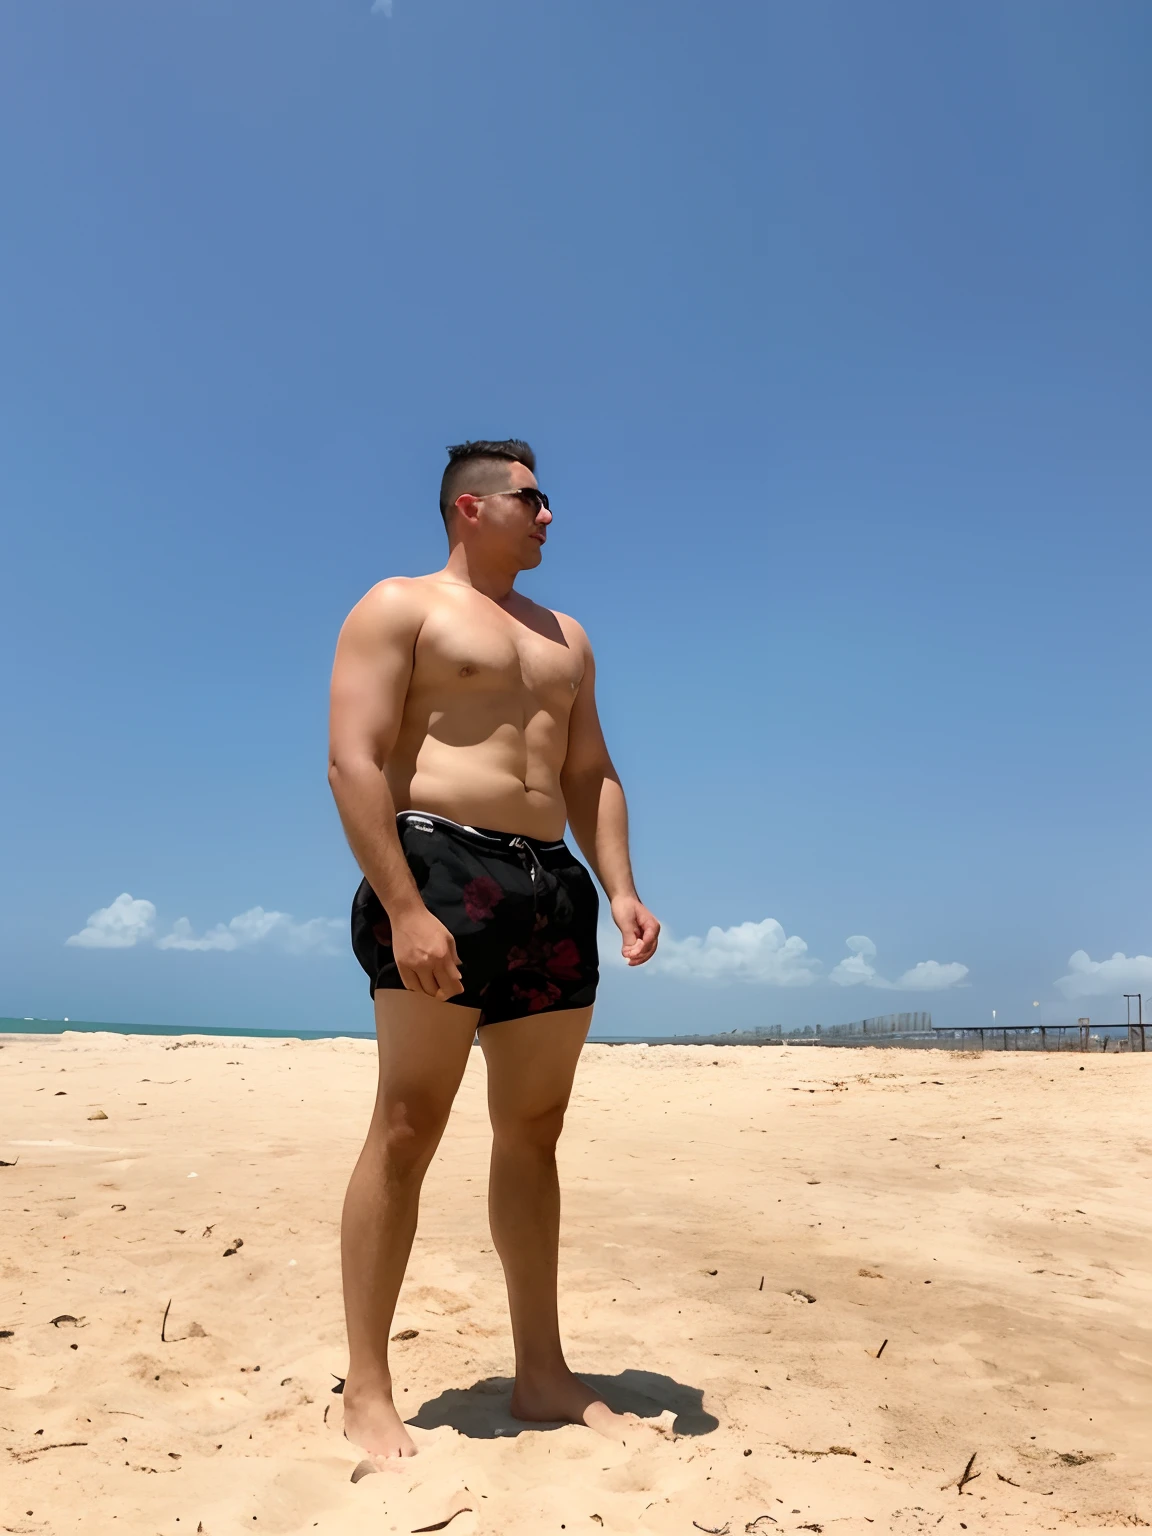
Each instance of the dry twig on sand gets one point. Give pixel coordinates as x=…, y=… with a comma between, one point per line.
x=440, y=1524
x=38, y=1450
x=967, y=1476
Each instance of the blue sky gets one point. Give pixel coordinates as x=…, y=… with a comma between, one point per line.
x=831, y=327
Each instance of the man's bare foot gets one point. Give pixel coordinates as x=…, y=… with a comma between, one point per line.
x=372, y=1423
x=564, y=1398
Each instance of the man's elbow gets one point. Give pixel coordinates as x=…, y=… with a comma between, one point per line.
x=345, y=768
x=586, y=775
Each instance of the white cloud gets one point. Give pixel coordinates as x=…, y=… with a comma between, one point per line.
x=119, y=926
x=858, y=967
x=927, y=976
x=752, y=952
x=382, y=8
x=1100, y=978
x=762, y=953
x=127, y=923
x=316, y=935
x=931, y=976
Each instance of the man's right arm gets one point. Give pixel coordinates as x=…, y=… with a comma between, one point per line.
x=370, y=679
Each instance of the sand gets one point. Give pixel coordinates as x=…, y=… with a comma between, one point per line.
x=744, y=1229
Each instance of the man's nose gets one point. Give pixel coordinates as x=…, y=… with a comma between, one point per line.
x=544, y=516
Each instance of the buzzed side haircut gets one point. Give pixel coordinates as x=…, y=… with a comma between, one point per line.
x=470, y=464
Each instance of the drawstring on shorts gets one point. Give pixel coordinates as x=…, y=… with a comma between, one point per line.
x=528, y=857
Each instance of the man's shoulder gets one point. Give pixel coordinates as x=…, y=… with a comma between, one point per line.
x=396, y=602
x=574, y=631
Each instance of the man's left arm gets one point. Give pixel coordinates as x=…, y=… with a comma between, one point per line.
x=598, y=816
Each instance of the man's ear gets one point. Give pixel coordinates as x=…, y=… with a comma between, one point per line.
x=467, y=507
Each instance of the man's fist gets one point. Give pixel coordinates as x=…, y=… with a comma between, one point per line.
x=426, y=955
x=639, y=930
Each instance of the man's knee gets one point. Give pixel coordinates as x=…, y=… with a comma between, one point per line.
x=408, y=1131
x=538, y=1132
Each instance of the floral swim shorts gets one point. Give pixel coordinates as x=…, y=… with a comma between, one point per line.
x=522, y=912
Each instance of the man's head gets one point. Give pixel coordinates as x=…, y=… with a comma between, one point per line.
x=479, y=499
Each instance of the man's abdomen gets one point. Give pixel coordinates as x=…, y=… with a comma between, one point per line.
x=482, y=788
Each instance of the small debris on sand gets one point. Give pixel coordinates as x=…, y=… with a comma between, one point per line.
x=38, y=1450
x=465, y=1509
x=833, y=1450
x=967, y=1476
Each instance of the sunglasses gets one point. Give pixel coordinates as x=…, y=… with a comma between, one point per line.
x=528, y=494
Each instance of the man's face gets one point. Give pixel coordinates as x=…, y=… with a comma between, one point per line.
x=507, y=523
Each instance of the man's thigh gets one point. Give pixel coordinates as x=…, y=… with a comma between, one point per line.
x=423, y=1048
x=532, y=1061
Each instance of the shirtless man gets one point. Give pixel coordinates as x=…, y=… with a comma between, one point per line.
x=464, y=735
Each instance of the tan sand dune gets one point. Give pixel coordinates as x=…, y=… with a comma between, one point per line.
x=988, y=1217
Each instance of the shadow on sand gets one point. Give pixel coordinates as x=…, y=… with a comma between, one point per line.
x=481, y=1410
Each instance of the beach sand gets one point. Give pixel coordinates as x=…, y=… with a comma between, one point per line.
x=743, y=1229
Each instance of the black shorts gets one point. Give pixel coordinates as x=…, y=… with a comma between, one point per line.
x=522, y=912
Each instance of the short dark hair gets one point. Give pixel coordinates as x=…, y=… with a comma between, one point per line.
x=460, y=473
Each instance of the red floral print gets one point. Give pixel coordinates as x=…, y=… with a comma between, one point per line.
x=564, y=961
x=481, y=897
x=537, y=998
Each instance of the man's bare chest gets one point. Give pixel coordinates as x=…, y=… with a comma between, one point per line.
x=462, y=654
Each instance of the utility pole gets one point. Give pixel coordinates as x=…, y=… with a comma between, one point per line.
x=1139, y=996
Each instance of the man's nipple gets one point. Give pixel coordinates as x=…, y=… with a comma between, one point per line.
x=467, y=669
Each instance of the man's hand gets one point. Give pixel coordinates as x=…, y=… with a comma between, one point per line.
x=425, y=954
x=638, y=928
